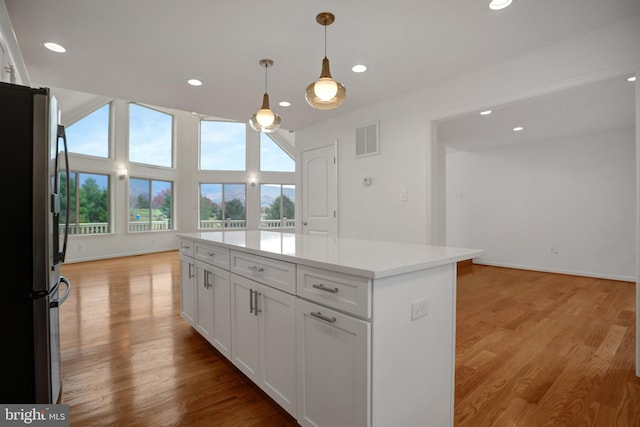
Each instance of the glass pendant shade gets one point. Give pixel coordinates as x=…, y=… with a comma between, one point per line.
x=325, y=93
x=265, y=120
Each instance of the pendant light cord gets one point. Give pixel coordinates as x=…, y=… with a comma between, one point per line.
x=265, y=78
x=325, y=40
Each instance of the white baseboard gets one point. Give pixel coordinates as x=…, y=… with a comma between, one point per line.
x=558, y=271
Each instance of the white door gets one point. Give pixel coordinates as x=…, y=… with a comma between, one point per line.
x=319, y=191
x=244, y=326
x=187, y=289
x=278, y=346
x=333, y=367
x=221, y=287
x=204, y=301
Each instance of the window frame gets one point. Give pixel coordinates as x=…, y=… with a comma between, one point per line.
x=282, y=225
x=76, y=203
x=224, y=225
x=171, y=226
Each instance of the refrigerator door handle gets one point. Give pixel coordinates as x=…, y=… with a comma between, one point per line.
x=60, y=300
x=62, y=134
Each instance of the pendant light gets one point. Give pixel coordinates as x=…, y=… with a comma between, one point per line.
x=325, y=93
x=265, y=120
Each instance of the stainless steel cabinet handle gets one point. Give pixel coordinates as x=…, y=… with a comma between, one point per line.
x=256, y=268
x=210, y=254
x=256, y=309
x=250, y=300
x=186, y=247
x=322, y=287
x=323, y=317
x=207, y=276
x=206, y=283
x=190, y=273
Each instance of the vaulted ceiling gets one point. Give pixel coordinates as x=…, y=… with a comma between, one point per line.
x=145, y=50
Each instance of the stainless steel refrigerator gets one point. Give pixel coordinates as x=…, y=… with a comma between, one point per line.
x=34, y=170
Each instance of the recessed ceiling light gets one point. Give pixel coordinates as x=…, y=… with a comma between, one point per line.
x=518, y=128
x=499, y=4
x=631, y=79
x=194, y=82
x=284, y=104
x=360, y=68
x=55, y=47
x=485, y=112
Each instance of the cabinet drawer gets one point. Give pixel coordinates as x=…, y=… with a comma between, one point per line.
x=212, y=254
x=344, y=292
x=278, y=274
x=186, y=247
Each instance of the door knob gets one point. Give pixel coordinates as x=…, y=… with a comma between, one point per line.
x=304, y=223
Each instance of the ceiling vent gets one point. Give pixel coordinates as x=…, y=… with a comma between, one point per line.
x=367, y=140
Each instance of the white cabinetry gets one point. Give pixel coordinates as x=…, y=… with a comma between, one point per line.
x=213, y=296
x=188, y=289
x=263, y=336
x=329, y=327
x=206, y=292
x=333, y=367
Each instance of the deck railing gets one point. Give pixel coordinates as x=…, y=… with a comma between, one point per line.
x=136, y=226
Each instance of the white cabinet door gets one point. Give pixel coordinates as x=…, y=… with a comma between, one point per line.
x=277, y=316
x=204, y=301
x=263, y=338
x=244, y=326
x=187, y=289
x=221, y=287
x=333, y=367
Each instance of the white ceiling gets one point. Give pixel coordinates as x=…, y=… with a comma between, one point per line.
x=145, y=50
x=596, y=107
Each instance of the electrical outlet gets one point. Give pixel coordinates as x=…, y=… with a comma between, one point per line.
x=419, y=309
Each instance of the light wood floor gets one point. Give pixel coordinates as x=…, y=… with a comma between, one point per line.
x=533, y=349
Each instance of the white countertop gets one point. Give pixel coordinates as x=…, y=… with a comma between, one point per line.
x=372, y=259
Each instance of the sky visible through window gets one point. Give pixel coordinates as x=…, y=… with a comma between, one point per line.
x=273, y=158
x=90, y=134
x=150, y=136
x=223, y=145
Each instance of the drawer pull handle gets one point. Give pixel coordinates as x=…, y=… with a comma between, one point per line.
x=256, y=268
x=186, y=247
x=323, y=317
x=324, y=288
x=210, y=254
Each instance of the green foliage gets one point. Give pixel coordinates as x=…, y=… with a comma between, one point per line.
x=209, y=210
x=234, y=209
x=288, y=208
x=93, y=202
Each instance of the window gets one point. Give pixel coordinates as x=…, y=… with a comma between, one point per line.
x=150, y=205
x=277, y=206
x=223, y=146
x=150, y=136
x=88, y=203
x=90, y=134
x=273, y=158
x=222, y=205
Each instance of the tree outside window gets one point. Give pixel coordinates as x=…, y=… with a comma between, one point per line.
x=278, y=207
x=89, y=203
x=150, y=205
x=222, y=206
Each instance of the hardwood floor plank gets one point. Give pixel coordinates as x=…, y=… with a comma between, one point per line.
x=532, y=349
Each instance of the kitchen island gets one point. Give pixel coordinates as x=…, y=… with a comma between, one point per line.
x=339, y=332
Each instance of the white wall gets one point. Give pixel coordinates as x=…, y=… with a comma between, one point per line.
x=410, y=154
x=575, y=194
